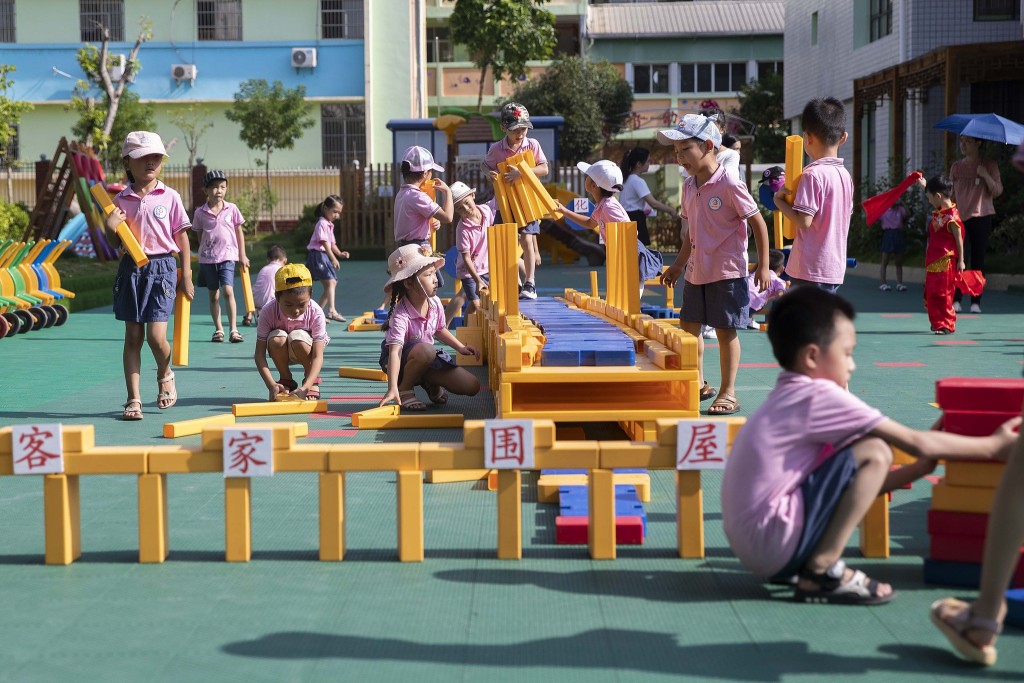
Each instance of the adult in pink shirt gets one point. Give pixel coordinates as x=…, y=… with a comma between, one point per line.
x=976, y=182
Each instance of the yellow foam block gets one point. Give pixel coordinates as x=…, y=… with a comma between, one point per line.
x=302, y=458
x=107, y=460
x=75, y=439
x=173, y=430
x=152, y=490
x=450, y=456
x=492, y=480
x=179, y=343
x=900, y=457
x=449, y=476
x=874, y=529
x=410, y=516
x=61, y=519
x=601, y=498
x=690, y=514
x=979, y=474
x=391, y=410
x=567, y=455
x=278, y=408
x=367, y=324
x=373, y=457
x=418, y=421
x=548, y=485
x=543, y=434
x=668, y=429
x=623, y=454
x=182, y=460
x=237, y=519
x=363, y=373
x=794, y=168
x=250, y=302
x=124, y=233
x=962, y=498
x=510, y=515
x=332, y=516
x=284, y=434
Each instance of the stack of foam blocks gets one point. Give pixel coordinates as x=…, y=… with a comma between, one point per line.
x=568, y=488
x=961, y=502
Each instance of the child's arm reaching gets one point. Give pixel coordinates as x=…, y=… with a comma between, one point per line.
x=447, y=212
x=338, y=252
x=585, y=221
x=933, y=445
x=675, y=271
x=394, y=367
x=467, y=259
x=261, y=365
x=762, y=276
x=243, y=260
x=446, y=336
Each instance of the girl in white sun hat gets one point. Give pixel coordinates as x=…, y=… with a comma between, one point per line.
x=416, y=316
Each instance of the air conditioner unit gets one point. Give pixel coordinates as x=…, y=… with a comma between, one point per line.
x=184, y=72
x=304, y=57
x=116, y=66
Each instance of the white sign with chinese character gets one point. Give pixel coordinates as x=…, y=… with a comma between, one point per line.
x=701, y=444
x=508, y=444
x=37, y=449
x=248, y=452
x=581, y=205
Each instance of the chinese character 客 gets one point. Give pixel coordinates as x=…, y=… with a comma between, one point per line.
x=32, y=443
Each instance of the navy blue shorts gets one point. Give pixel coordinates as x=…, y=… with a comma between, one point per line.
x=893, y=242
x=146, y=294
x=320, y=267
x=821, y=491
x=724, y=304
x=443, y=360
x=650, y=263
x=825, y=286
x=469, y=286
x=216, y=275
x=530, y=228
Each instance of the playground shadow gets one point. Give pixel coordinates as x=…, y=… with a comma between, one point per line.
x=618, y=650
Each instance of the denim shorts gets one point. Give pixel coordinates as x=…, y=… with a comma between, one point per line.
x=821, y=491
x=216, y=275
x=320, y=267
x=469, y=286
x=530, y=228
x=893, y=242
x=650, y=264
x=825, y=286
x=443, y=360
x=146, y=294
x=724, y=304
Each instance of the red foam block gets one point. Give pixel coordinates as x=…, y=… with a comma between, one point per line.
x=629, y=530
x=974, y=422
x=958, y=548
x=949, y=523
x=993, y=394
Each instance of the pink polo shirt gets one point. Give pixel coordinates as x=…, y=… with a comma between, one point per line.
x=972, y=195
x=802, y=423
x=717, y=212
x=323, y=231
x=263, y=289
x=218, y=240
x=155, y=218
x=471, y=238
x=500, y=151
x=407, y=326
x=413, y=211
x=825, y=193
x=608, y=210
x=312, y=320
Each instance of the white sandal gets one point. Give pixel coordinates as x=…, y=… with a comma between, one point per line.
x=956, y=627
x=170, y=396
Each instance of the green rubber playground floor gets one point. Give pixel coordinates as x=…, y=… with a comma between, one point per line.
x=462, y=614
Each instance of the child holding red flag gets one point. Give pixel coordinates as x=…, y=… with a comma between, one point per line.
x=945, y=241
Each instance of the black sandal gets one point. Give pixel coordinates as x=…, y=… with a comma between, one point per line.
x=831, y=590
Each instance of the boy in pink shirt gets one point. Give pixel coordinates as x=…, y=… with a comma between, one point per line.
x=716, y=208
x=823, y=203
x=414, y=210
x=810, y=461
x=221, y=244
x=471, y=243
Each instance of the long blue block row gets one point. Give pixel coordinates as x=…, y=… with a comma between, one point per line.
x=575, y=338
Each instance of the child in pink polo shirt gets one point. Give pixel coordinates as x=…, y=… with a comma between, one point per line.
x=810, y=461
x=823, y=203
x=292, y=329
x=471, y=243
x=322, y=254
x=144, y=297
x=716, y=208
x=515, y=121
x=415, y=212
x=263, y=287
x=416, y=316
x=221, y=244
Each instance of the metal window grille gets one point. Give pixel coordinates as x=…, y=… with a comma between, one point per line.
x=7, y=34
x=219, y=19
x=881, y=19
x=343, y=134
x=96, y=15
x=996, y=10
x=341, y=19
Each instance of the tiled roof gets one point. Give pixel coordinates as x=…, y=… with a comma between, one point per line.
x=702, y=17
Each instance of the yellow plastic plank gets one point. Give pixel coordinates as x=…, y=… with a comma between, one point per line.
x=419, y=421
x=450, y=476
x=332, y=516
x=450, y=456
x=124, y=233
x=237, y=519
x=373, y=457
x=794, y=168
x=302, y=458
x=278, y=408
x=107, y=460
x=153, y=546
x=284, y=434
x=179, y=344
x=601, y=498
x=174, y=430
x=874, y=529
x=182, y=460
x=391, y=410
x=510, y=515
x=962, y=498
x=363, y=373
x=410, y=516
x=61, y=519
x=250, y=301
x=690, y=514
x=979, y=474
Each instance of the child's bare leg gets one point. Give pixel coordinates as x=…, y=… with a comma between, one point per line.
x=327, y=298
x=898, y=258
x=458, y=381
x=302, y=353
x=885, y=265
x=873, y=458
x=454, y=307
x=131, y=357
x=277, y=349
x=729, y=360
x=416, y=365
x=156, y=336
x=215, y=309
x=229, y=303
x=529, y=256
x=695, y=329
x=474, y=306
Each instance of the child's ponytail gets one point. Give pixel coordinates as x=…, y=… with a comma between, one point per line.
x=632, y=159
x=329, y=202
x=397, y=292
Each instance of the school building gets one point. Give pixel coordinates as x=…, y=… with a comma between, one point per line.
x=900, y=66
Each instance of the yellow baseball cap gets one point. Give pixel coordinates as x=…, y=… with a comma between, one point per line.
x=291, y=276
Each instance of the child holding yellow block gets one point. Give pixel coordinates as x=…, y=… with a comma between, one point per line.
x=144, y=296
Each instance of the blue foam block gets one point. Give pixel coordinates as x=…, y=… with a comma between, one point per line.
x=1015, y=607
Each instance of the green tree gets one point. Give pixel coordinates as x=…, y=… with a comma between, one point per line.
x=502, y=35
x=10, y=115
x=131, y=115
x=193, y=122
x=594, y=99
x=96, y=118
x=761, y=103
x=271, y=117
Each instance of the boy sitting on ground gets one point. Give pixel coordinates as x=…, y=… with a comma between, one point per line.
x=811, y=460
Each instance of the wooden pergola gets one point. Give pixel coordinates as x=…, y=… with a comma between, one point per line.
x=952, y=66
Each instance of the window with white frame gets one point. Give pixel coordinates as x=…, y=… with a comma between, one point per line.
x=765, y=68
x=219, y=19
x=95, y=16
x=717, y=77
x=880, y=19
x=343, y=134
x=341, y=19
x=996, y=10
x=7, y=34
x=439, y=45
x=650, y=78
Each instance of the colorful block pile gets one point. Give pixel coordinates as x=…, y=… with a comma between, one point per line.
x=961, y=502
x=574, y=338
x=572, y=524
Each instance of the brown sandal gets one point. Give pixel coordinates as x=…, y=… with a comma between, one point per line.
x=164, y=398
x=724, y=405
x=707, y=391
